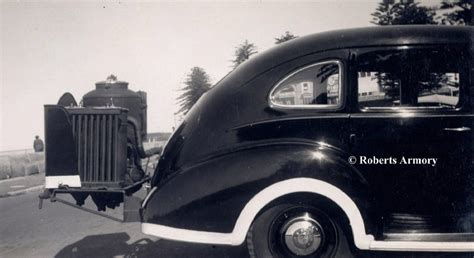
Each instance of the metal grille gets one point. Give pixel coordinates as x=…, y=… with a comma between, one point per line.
x=97, y=139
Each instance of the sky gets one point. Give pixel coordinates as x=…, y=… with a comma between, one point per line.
x=52, y=47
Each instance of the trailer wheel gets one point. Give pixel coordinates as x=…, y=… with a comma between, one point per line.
x=296, y=231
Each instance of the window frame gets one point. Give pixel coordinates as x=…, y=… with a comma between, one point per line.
x=357, y=52
x=339, y=63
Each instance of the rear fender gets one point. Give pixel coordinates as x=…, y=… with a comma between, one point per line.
x=210, y=196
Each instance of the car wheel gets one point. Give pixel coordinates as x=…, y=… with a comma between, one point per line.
x=296, y=231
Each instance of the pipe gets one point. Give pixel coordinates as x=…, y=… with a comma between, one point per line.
x=138, y=139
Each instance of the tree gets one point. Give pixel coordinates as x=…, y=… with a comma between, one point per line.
x=285, y=37
x=383, y=14
x=460, y=12
x=243, y=52
x=407, y=12
x=196, y=84
x=402, y=12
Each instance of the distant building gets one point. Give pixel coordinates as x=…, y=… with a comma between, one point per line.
x=304, y=91
x=369, y=89
x=307, y=92
x=157, y=137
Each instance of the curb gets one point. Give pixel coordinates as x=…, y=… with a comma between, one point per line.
x=23, y=191
x=12, y=179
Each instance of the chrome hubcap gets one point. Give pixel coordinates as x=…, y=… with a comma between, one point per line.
x=302, y=235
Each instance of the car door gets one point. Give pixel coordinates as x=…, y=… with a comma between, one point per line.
x=306, y=99
x=411, y=134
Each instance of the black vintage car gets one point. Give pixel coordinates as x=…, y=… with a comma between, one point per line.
x=341, y=141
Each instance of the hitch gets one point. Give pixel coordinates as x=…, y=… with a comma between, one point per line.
x=131, y=204
x=45, y=195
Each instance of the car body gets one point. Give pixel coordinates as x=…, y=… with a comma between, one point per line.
x=371, y=126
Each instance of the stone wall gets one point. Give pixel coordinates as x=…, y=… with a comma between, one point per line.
x=17, y=165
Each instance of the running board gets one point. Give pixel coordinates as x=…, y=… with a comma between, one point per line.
x=430, y=237
x=422, y=246
x=401, y=223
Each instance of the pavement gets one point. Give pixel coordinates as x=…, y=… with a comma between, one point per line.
x=60, y=231
x=21, y=185
x=63, y=231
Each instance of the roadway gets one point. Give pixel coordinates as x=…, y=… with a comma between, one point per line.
x=62, y=231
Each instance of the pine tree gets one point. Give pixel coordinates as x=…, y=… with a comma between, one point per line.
x=409, y=12
x=196, y=84
x=285, y=37
x=243, y=52
x=383, y=14
x=460, y=12
x=402, y=12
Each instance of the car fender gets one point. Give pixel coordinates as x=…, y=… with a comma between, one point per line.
x=211, y=195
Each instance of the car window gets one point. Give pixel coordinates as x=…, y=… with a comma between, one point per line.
x=316, y=85
x=409, y=78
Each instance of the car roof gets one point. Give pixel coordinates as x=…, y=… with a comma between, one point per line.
x=350, y=38
x=382, y=36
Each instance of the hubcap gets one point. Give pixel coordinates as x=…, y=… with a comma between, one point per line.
x=302, y=235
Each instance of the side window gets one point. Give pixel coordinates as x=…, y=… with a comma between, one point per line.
x=316, y=85
x=409, y=78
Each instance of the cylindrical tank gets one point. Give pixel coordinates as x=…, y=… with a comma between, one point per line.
x=116, y=93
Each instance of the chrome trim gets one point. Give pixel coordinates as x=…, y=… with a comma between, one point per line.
x=315, y=106
x=148, y=196
x=432, y=237
x=396, y=115
x=422, y=246
x=293, y=118
x=408, y=108
x=458, y=129
x=430, y=234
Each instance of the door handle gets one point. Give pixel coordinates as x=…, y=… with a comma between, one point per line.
x=352, y=139
x=458, y=129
